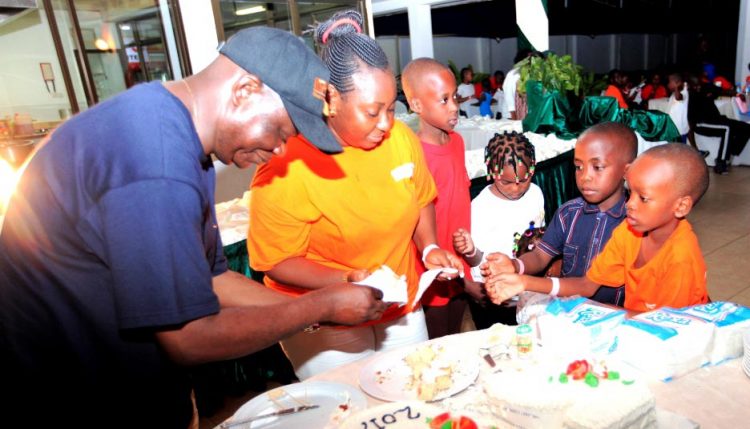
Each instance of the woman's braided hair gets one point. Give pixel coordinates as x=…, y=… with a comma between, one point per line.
x=511, y=148
x=344, y=47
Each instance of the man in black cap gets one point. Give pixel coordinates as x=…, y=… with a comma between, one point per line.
x=112, y=276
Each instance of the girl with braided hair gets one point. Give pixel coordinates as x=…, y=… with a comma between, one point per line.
x=501, y=210
x=317, y=219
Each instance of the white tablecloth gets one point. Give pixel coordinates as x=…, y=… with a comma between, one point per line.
x=725, y=105
x=478, y=131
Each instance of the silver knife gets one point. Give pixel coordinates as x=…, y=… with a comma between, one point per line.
x=283, y=412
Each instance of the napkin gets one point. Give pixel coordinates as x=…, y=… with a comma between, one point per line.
x=394, y=287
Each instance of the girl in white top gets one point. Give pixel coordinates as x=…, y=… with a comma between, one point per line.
x=505, y=207
x=678, y=104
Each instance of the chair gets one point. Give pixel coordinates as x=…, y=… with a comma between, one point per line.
x=711, y=137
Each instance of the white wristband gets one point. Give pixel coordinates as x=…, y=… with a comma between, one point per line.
x=555, y=286
x=427, y=250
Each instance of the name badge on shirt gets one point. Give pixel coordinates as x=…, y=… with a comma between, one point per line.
x=402, y=172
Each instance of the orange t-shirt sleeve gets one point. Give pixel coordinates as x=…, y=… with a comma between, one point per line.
x=281, y=216
x=608, y=268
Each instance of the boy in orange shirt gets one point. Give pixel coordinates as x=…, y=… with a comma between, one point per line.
x=430, y=88
x=655, y=253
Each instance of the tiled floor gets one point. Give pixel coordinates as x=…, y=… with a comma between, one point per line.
x=722, y=222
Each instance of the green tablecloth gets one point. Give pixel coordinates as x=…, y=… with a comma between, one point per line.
x=550, y=111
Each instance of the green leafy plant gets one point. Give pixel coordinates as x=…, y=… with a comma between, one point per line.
x=554, y=72
x=478, y=76
x=593, y=85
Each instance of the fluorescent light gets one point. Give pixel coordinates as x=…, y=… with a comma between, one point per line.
x=250, y=10
x=125, y=27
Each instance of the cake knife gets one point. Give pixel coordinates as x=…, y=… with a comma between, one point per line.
x=283, y=412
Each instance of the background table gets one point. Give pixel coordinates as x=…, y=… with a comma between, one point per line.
x=724, y=104
x=714, y=397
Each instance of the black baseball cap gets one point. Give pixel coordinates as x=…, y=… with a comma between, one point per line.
x=292, y=70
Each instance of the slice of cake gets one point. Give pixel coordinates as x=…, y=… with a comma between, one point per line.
x=430, y=375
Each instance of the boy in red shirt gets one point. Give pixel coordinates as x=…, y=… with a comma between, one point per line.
x=430, y=88
x=655, y=253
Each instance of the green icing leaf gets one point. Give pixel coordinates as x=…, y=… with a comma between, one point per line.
x=592, y=380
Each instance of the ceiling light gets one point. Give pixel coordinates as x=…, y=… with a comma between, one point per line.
x=250, y=10
x=124, y=27
x=101, y=45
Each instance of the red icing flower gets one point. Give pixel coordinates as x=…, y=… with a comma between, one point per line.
x=578, y=369
x=445, y=421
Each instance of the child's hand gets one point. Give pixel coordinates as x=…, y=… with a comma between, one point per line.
x=462, y=242
x=502, y=287
x=475, y=290
x=497, y=263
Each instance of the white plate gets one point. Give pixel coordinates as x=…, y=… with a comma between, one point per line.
x=328, y=396
x=393, y=415
x=386, y=377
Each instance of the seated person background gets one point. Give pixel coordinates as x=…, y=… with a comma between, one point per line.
x=702, y=109
x=582, y=226
x=654, y=89
x=616, y=81
x=655, y=253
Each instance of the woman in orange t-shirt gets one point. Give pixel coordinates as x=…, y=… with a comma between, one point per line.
x=317, y=219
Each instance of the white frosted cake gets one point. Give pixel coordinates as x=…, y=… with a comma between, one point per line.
x=664, y=343
x=584, y=396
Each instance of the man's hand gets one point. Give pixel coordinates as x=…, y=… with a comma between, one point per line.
x=357, y=275
x=502, y=287
x=352, y=304
x=497, y=263
x=441, y=258
x=462, y=242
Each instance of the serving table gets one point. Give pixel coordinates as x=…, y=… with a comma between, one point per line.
x=714, y=397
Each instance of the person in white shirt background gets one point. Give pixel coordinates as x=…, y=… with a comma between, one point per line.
x=509, y=86
x=499, y=95
x=465, y=92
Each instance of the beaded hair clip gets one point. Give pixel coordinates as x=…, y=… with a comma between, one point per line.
x=495, y=161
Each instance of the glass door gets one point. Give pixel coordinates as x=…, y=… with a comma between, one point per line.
x=145, y=55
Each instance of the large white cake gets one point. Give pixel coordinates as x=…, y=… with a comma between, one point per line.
x=539, y=397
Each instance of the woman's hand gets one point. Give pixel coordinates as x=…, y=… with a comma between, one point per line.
x=462, y=242
x=441, y=258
